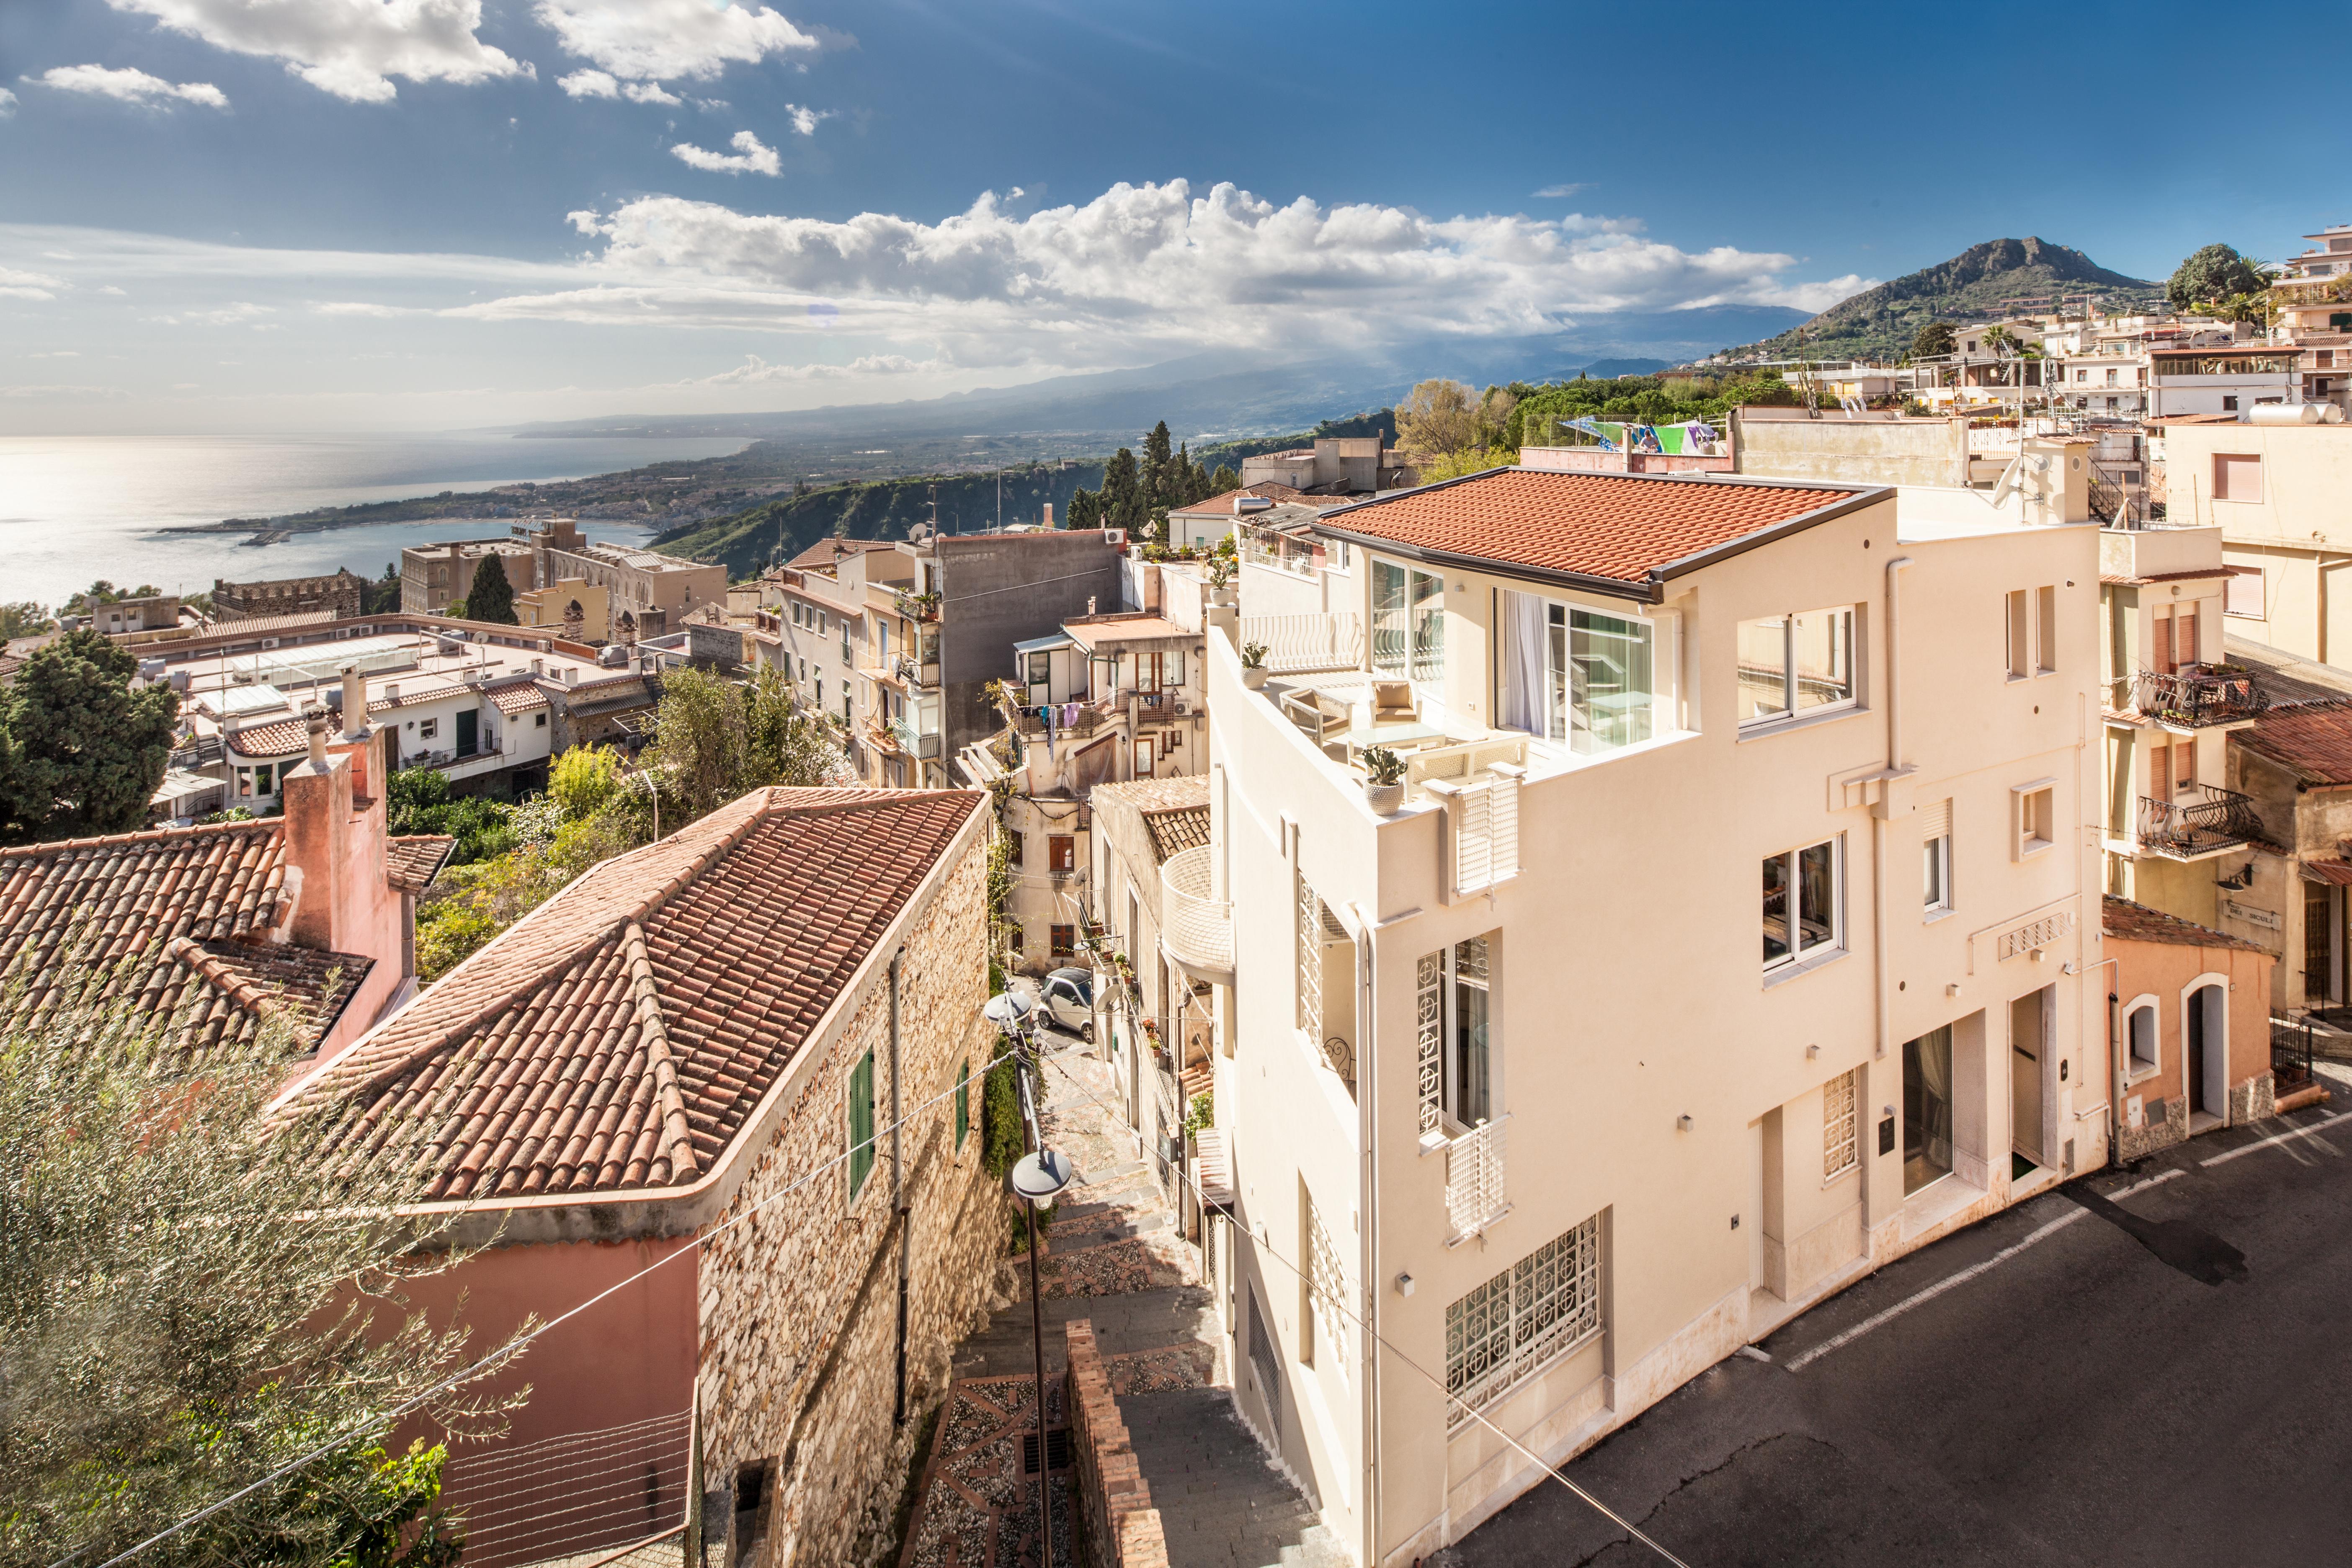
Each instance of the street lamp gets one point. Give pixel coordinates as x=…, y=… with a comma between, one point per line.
x=1037, y=1177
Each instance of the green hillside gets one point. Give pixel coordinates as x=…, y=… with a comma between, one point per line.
x=1998, y=277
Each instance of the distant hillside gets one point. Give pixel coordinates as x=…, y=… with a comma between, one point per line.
x=1998, y=277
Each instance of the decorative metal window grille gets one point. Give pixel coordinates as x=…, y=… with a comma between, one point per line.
x=1310, y=960
x=1840, y=1130
x=1327, y=1287
x=1541, y=1307
x=1429, y=1037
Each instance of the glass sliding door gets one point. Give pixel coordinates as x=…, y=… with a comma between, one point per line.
x=1603, y=688
x=1468, y=1101
x=1392, y=635
x=1428, y=630
x=1927, y=1109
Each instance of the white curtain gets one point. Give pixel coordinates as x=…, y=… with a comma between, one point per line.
x=1523, y=662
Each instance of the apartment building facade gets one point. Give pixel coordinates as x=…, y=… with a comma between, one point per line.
x=1724, y=947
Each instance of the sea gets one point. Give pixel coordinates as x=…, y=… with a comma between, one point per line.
x=74, y=508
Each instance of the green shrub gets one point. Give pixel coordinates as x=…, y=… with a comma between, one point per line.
x=1003, y=1138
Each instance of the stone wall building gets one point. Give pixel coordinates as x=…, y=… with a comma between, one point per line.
x=338, y=594
x=694, y=1060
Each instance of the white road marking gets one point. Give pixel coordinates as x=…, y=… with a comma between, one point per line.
x=2291, y=1135
x=1798, y=1363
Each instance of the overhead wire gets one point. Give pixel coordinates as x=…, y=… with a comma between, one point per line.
x=1469, y=1410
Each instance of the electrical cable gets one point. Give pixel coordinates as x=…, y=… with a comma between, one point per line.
x=504, y=1352
x=1470, y=1410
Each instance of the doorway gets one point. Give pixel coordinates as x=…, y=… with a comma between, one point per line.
x=1927, y=1109
x=2208, y=1051
x=469, y=732
x=2029, y=1046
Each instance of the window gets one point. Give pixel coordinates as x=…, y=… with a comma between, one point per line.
x=2082, y=375
x=1013, y=936
x=1322, y=1288
x=1065, y=940
x=1454, y=1005
x=1841, y=1128
x=2184, y=767
x=427, y=728
x=2045, y=631
x=1408, y=623
x=845, y=699
x=2021, y=656
x=1306, y=934
x=1794, y=664
x=1060, y=853
x=962, y=1102
x=1936, y=854
x=1014, y=839
x=861, y=1124
x=2237, y=476
x=1541, y=1307
x=2242, y=594
x=2114, y=403
x=2037, y=819
x=1803, y=903
x=1601, y=689
x=539, y=721
x=2140, y=1026
x=2111, y=378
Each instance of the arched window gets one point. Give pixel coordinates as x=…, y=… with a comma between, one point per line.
x=2140, y=1026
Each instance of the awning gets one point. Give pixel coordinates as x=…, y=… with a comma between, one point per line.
x=2333, y=873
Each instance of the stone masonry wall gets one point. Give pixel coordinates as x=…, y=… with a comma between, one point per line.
x=1122, y=1528
x=799, y=1304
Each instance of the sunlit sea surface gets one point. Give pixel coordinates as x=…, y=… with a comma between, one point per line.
x=77, y=508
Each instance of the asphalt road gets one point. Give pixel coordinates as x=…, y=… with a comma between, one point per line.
x=2163, y=1378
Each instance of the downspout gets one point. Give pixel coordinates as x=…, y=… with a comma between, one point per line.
x=1893, y=766
x=898, y=1197
x=1368, y=1258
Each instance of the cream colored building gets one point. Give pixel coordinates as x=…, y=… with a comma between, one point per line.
x=2282, y=497
x=550, y=608
x=1725, y=946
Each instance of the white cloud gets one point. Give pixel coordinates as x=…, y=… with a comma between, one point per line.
x=804, y=121
x=1554, y=193
x=649, y=92
x=130, y=85
x=56, y=354
x=109, y=289
x=751, y=157
x=652, y=40
x=242, y=313
x=755, y=371
x=15, y=284
x=590, y=84
x=363, y=308
x=7, y=103
x=352, y=49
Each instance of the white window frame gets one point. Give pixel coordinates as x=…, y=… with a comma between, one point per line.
x=2133, y=1069
x=1800, y=957
x=1938, y=852
x=1790, y=712
x=2022, y=814
x=2233, y=598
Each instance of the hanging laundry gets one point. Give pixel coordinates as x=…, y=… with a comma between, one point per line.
x=1069, y=715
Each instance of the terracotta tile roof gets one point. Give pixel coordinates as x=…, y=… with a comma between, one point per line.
x=1624, y=527
x=1185, y=827
x=618, y=1037
x=2313, y=740
x=2138, y=922
x=2332, y=873
x=413, y=860
x=285, y=737
x=188, y=910
x=513, y=697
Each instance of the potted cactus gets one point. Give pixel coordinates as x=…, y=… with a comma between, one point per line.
x=1383, y=780
x=1253, y=669
x=1220, y=580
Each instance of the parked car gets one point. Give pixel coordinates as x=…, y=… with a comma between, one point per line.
x=1069, y=998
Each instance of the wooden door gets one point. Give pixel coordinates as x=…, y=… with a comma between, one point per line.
x=2164, y=646
x=2185, y=646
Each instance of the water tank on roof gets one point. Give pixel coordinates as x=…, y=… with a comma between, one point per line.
x=612, y=656
x=2294, y=414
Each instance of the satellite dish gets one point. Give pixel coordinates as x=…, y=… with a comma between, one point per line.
x=1006, y=1010
x=1038, y=1177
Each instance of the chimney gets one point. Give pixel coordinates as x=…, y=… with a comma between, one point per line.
x=355, y=721
x=318, y=799
x=1049, y=514
x=1090, y=603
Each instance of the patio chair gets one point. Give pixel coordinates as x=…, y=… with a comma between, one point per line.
x=1392, y=702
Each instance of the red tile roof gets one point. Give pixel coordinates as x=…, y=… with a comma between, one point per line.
x=2138, y=922
x=514, y=697
x=2314, y=740
x=619, y=1038
x=413, y=860
x=189, y=910
x=1623, y=527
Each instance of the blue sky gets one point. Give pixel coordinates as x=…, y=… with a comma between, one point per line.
x=272, y=214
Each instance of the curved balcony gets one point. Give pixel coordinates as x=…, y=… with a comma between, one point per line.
x=1196, y=930
x=2206, y=820
x=2197, y=696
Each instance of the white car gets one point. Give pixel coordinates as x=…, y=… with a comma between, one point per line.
x=1067, y=997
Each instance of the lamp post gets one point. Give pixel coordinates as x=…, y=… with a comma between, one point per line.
x=1037, y=1178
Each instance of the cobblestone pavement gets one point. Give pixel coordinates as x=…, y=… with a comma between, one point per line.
x=1112, y=1256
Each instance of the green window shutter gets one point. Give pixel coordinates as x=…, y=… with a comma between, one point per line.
x=964, y=1102
x=861, y=1124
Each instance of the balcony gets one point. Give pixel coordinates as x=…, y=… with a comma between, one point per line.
x=2196, y=697
x=1474, y=1180
x=1297, y=644
x=1196, y=930
x=2202, y=821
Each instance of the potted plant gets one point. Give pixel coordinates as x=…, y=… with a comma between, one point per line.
x=1253, y=669
x=1383, y=780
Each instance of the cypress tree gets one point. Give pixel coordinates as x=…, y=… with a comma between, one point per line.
x=491, y=598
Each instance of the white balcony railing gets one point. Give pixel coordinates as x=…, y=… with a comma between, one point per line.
x=1196, y=930
x=1297, y=644
x=1474, y=1179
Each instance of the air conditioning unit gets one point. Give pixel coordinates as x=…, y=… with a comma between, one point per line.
x=1115, y=538
x=268, y=643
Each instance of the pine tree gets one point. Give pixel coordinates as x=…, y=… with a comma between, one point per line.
x=491, y=598
x=82, y=753
x=1124, y=504
x=1085, y=509
x=1159, y=468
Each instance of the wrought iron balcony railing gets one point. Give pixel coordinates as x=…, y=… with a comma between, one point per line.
x=2196, y=695
x=2201, y=821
